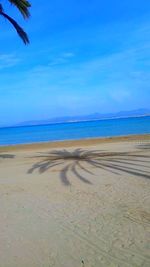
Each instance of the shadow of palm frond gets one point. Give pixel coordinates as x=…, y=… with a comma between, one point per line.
x=82, y=160
x=144, y=146
x=7, y=156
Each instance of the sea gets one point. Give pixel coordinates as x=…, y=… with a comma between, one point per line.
x=74, y=130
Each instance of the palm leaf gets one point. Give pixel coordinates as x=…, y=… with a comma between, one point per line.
x=19, y=30
x=23, y=7
x=1, y=8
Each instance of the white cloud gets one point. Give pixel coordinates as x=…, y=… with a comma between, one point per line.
x=68, y=54
x=120, y=95
x=61, y=59
x=8, y=60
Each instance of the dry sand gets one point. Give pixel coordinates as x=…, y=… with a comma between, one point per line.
x=76, y=204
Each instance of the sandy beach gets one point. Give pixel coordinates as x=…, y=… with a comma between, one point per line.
x=79, y=203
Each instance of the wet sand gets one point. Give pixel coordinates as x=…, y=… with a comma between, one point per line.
x=76, y=203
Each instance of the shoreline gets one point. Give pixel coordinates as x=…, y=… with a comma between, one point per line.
x=74, y=143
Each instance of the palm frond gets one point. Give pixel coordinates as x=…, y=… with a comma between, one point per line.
x=1, y=8
x=23, y=7
x=19, y=30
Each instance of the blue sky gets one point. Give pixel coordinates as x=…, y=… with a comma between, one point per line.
x=84, y=57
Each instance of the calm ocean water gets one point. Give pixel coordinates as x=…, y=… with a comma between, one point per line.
x=76, y=130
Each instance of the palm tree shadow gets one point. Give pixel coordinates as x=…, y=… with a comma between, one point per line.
x=7, y=156
x=144, y=146
x=80, y=160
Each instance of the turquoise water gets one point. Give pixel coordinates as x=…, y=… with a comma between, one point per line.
x=76, y=130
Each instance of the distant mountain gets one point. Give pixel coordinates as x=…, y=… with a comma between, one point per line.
x=90, y=117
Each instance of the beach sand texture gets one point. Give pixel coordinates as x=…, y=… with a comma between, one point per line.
x=82, y=203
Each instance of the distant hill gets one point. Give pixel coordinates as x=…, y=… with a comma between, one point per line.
x=90, y=117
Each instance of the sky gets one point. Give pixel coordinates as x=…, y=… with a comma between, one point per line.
x=84, y=57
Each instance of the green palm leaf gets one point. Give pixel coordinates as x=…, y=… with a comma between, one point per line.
x=23, y=6
x=19, y=30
